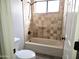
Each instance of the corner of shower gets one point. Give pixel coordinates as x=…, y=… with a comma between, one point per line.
x=45, y=33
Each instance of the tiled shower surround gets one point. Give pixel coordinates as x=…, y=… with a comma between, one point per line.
x=48, y=25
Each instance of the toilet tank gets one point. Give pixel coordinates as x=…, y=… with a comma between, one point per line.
x=17, y=42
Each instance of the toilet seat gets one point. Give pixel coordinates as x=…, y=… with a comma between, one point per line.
x=25, y=54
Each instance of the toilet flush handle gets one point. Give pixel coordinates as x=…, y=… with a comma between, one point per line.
x=14, y=50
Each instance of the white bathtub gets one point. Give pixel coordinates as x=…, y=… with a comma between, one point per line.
x=46, y=46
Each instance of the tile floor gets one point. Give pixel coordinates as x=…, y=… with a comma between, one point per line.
x=42, y=56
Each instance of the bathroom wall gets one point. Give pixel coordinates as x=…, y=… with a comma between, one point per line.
x=6, y=35
x=48, y=25
x=17, y=16
x=1, y=34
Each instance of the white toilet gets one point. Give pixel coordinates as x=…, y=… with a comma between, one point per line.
x=23, y=54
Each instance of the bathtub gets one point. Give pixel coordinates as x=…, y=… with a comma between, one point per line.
x=46, y=46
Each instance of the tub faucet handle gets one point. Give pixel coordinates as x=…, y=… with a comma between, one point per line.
x=29, y=32
x=63, y=38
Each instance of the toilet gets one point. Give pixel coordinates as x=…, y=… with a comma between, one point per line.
x=23, y=54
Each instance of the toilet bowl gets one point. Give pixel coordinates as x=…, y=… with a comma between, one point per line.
x=23, y=54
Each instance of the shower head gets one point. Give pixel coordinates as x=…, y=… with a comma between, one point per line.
x=31, y=3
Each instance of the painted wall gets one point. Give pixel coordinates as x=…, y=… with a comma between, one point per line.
x=17, y=16
x=1, y=35
x=6, y=30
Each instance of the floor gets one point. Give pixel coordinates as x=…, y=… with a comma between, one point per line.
x=42, y=56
